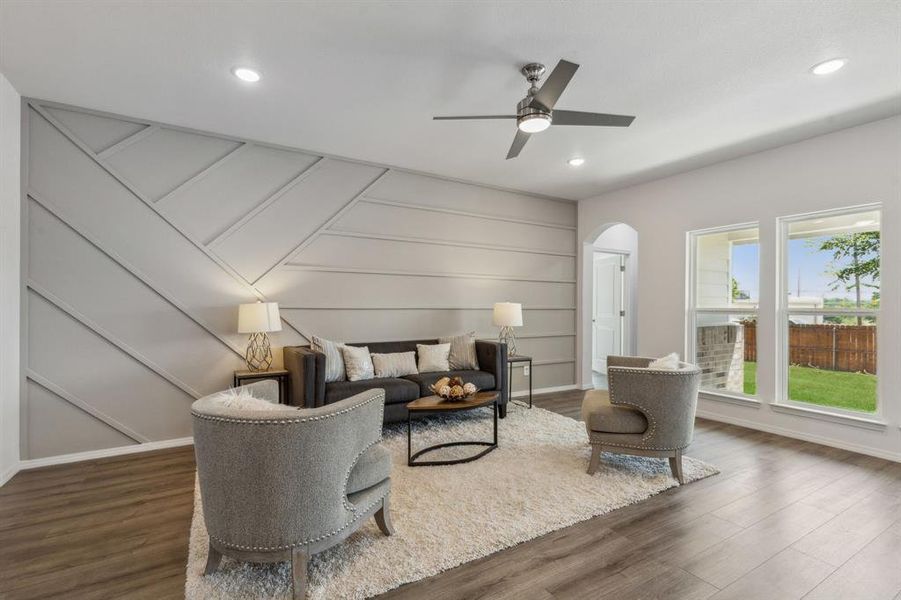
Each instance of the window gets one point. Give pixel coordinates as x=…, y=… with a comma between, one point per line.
x=722, y=315
x=829, y=307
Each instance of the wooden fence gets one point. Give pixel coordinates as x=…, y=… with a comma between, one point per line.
x=825, y=346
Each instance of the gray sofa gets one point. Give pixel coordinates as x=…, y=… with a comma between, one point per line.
x=646, y=412
x=282, y=484
x=309, y=389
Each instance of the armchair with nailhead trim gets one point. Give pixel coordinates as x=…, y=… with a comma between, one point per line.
x=285, y=483
x=644, y=412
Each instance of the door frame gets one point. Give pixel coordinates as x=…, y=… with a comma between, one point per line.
x=625, y=333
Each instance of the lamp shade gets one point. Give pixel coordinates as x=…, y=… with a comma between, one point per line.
x=259, y=316
x=507, y=314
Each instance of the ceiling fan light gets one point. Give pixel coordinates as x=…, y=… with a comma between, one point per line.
x=534, y=123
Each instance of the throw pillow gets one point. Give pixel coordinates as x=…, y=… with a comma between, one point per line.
x=462, y=351
x=433, y=358
x=670, y=362
x=357, y=362
x=334, y=360
x=243, y=400
x=397, y=364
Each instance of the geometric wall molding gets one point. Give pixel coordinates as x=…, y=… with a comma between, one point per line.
x=142, y=239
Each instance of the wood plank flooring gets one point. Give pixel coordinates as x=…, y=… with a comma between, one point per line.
x=785, y=519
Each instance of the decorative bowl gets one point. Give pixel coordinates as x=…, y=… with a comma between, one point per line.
x=453, y=389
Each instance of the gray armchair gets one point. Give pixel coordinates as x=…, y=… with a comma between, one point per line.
x=646, y=412
x=283, y=484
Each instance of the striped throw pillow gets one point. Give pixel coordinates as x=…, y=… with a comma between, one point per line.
x=462, y=351
x=334, y=359
x=396, y=364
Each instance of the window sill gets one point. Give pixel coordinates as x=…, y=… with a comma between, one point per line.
x=872, y=424
x=730, y=399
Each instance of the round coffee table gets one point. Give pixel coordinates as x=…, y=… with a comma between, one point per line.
x=436, y=404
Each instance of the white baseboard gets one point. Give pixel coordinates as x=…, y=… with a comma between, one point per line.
x=62, y=459
x=8, y=474
x=816, y=439
x=546, y=390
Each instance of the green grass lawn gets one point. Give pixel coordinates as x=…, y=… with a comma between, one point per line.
x=852, y=391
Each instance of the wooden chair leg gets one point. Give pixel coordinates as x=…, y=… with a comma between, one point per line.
x=213, y=558
x=595, y=458
x=675, y=465
x=383, y=518
x=299, y=560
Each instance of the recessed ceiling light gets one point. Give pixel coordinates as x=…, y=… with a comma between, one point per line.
x=245, y=74
x=576, y=161
x=828, y=66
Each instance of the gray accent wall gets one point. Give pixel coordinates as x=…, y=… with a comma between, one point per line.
x=141, y=239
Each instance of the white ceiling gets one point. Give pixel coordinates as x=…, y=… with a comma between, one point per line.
x=708, y=81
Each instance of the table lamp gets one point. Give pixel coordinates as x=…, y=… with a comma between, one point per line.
x=508, y=315
x=258, y=319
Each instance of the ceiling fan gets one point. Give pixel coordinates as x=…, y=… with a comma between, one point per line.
x=536, y=111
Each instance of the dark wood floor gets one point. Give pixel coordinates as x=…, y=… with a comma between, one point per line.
x=785, y=519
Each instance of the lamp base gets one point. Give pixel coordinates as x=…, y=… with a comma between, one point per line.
x=506, y=337
x=259, y=353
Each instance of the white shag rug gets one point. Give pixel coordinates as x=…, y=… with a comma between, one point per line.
x=444, y=516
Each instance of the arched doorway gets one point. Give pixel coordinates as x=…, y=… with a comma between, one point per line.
x=609, y=298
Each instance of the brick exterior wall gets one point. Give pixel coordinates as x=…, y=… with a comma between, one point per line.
x=720, y=356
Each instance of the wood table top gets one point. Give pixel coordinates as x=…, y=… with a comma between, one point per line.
x=437, y=403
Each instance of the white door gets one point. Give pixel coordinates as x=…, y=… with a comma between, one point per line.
x=607, y=315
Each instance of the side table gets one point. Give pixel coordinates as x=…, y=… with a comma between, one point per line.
x=280, y=375
x=511, y=360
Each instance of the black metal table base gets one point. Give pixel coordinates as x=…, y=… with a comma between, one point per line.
x=411, y=457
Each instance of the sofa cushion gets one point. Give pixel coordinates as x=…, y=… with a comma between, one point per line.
x=396, y=390
x=600, y=415
x=372, y=467
x=482, y=380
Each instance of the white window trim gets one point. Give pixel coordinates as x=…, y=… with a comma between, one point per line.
x=782, y=402
x=692, y=311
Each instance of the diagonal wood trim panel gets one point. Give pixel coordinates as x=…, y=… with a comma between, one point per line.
x=85, y=407
x=112, y=339
x=201, y=222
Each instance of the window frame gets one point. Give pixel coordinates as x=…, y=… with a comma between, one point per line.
x=783, y=312
x=692, y=310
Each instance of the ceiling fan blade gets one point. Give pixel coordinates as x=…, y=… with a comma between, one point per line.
x=554, y=85
x=474, y=117
x=518, y=142
x=575, y=117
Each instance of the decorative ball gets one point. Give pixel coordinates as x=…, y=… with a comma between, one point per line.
x=441, y=383
x=444, y=390
x=469, y=388
x=457, y=391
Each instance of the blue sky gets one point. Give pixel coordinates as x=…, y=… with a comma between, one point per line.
x=803, y=258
